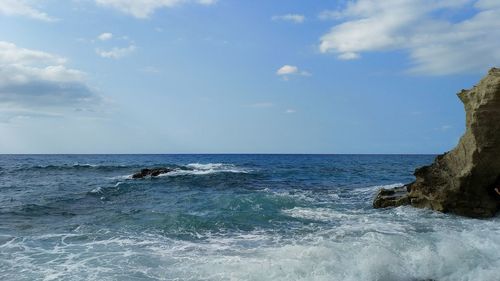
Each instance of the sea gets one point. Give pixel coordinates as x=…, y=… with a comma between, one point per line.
x=230, y=217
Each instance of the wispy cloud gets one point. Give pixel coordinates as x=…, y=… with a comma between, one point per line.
x=295, y=18
x=116, y=53
x=22, y=8
x=290, y=111
x=31, y=80
x=144, y=8
x=287, y=70
x=329, y=15
x=105, y=36
x=436, y=45
x=9, y=114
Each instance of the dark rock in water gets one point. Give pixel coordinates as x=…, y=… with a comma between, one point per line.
x=462, y=181
x=391, y=197
x=151, y=172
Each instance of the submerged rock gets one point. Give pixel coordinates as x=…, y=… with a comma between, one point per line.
x=461, y=181
x=151, y=173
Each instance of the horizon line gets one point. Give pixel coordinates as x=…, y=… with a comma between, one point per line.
x=230, y=153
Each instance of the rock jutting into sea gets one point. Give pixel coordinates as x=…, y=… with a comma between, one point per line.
x=151, y=173
x=461, y=181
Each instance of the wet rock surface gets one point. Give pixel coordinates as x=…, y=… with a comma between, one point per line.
x=151, y=173
x=391, y=197
x=461, y=181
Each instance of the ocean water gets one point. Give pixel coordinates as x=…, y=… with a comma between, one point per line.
x=229, y=217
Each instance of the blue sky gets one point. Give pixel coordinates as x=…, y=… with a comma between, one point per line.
x=227, y=76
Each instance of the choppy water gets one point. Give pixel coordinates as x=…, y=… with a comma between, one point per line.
x=229, y=217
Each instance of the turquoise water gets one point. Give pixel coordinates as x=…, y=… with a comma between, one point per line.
x=229, y=217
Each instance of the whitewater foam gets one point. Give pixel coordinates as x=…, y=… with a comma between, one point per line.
x=195, y=169
x=205, y=169
x=291, y=218
x=466, y=254
x=371, y=189
x=97, y=190
x=321, y=214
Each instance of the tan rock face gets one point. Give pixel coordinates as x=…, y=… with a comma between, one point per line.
x=462, y=180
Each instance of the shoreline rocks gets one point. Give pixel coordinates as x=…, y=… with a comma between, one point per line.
x=462, y=180
x=392, y=197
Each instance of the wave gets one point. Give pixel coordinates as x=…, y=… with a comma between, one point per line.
x=75, y=166
x=197, y=169
x=464, y=254
x=97, y=190
x=206, y=169
x=177, y=170
x=371, y=189
x=316, y=214
x=35, y=210
x=209, y=166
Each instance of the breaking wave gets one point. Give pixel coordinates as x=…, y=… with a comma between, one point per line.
x=195, y=169
x=461, y=252
x=206, y=169
x=228, y=217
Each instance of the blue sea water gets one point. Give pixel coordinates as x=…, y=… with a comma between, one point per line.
x=229, y=217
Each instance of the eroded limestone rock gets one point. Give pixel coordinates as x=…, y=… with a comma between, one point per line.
x=391, y=197
x=461, y=181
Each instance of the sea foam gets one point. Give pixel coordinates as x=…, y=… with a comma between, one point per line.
x=446, y=254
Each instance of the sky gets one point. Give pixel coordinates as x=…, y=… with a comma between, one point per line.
x=235, y=76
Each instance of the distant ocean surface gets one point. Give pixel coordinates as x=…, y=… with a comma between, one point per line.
x=229, y=217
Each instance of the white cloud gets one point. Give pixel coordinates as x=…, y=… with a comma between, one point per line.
x=116, y=53
x=19, y=65
x=144, y=8
x=11, y=54
x=349, y=56
x=21, y=8
x=207, y=2
x=488, y=4
x=295, y=18
x=9, y=113
x=105, y=36
x=287, y=70
x=290, y=111
x=436, y=45
x=31, y=79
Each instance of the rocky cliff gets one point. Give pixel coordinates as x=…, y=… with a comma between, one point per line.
x=461, y=181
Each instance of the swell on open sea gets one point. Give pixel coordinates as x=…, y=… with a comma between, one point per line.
x=229, y=217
